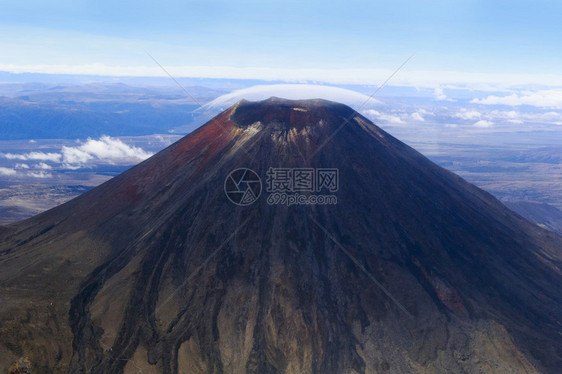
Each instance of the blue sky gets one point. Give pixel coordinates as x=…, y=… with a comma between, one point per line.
x=469, y=40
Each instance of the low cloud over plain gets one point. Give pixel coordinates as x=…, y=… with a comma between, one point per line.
x=105, y=150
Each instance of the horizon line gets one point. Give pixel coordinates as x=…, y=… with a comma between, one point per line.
x=407, y=78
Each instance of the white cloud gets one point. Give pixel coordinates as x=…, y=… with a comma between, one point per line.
x=160, y=139
x=371, y=113
x=41, y=156
x=7, y=171
x=483, y=124
x=439, y=95
x=542, y=98
x=39, y=174
x=391, y=119
x=487, y=118
x=506, y=114
x=42, y=166
x=451, y=125
x=292, y=92
x=105, y=150
x=382, y=117
x=467, y=114
x=425, y=112
x=510, y=116
x=521, y=117
x=417, y=117
x=75, y=155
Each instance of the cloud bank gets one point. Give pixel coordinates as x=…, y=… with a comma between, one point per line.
x=542, y=99
x=7, y=171
x=39, y=156
x=105, y=150
x=385, y=118
x=291, y=92
x=483, y=124
x=406, y=77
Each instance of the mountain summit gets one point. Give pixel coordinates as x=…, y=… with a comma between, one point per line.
x=282, y=237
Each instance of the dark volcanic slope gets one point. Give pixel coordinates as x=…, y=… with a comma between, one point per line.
x=413, y=270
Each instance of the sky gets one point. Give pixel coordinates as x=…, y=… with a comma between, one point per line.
x=502, y=43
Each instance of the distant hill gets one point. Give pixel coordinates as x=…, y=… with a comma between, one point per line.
x=35, y=111
x=542, y=214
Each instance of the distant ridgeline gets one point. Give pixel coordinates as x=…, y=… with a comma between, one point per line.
x=22, y=118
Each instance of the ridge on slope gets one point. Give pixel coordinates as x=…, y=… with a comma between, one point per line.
x=413, y=269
